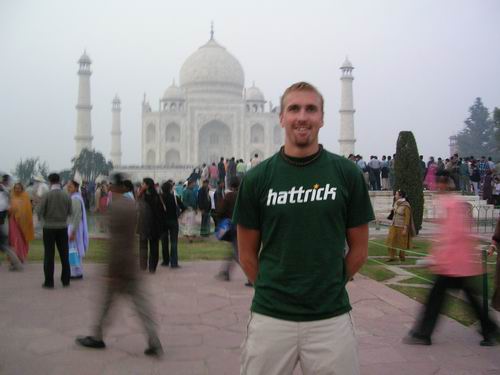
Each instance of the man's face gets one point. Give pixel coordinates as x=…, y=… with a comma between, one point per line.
x=301, y=117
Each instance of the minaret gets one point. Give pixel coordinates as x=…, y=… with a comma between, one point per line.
x=83, y=137
x=116, y=133
x=346, y=139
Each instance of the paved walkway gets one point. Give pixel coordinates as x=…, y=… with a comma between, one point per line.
x=202, y=323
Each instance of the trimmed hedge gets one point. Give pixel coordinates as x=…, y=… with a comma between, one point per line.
x=409, y=175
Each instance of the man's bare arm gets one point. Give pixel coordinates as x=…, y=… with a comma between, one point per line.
x=248, y=247
x=357, y=239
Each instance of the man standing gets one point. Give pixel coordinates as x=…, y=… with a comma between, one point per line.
x=302, y=205
x=222, y=169
x=53, y=211
x=204, y=205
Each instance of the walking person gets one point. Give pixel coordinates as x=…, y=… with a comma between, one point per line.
x=455, y=261
x=149, y=226
x=295, y=212
x=78, y=233
x=402, y=228
x=21, y=230
x=225, y=210
x=495, y=299
x=15, y=263
x=123, y=277
x=205, y=206
x=170, y=235
x=54, y=210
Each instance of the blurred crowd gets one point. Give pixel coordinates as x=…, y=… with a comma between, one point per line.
x=469, y=175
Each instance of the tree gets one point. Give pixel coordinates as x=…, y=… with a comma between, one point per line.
x=26, y=170
x=496, y=122
x=478, y=136
x=409, y=175
x=90, y=164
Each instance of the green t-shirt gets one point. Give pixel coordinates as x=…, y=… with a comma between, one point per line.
x=303, y=213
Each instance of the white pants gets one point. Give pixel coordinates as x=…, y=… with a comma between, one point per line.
x=323, y=347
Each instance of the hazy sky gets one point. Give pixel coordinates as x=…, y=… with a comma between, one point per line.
x=419, y=65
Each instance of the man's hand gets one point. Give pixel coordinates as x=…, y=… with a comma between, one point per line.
x=248, y=248
x=357, y=239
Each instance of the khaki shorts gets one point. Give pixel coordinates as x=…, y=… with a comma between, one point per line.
x=322, y=347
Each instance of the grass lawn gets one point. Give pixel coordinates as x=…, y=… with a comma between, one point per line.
x=376, y=271
x=197, y=250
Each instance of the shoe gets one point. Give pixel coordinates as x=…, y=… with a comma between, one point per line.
x=415, y=339
x=90, y=342
x=47, y=286
x=65, y=285
x=154, y=351
x=223, y=276
x=487, y=342
x=76, y=277
x=15, y=268
x=175, y=266
x=164, y=264
x=249, y=284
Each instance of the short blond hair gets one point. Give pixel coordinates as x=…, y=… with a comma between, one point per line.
x=300, y=86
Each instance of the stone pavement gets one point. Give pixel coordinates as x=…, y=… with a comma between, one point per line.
x=202, y=323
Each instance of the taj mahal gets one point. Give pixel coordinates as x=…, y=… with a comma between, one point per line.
x=209, y=115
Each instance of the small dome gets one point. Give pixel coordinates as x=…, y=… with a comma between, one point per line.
x=85, y=59
x=212, y=68
x=174, y=92
x=347, y=64
x=254, y=94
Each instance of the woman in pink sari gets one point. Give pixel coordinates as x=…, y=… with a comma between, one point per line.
x=21, y=230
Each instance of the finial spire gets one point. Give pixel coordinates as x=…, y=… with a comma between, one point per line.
x=212, y=31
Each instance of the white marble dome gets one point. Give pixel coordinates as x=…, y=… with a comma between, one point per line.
x=174, y=92
x=254, y=94
x=212, y=69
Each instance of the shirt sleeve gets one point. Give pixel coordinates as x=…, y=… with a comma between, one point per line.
x=247, y=210
x=359, y=210
x=76, y=215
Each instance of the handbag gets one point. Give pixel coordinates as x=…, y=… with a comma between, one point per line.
x=74, y=257
x=391, y=215
x=224, y=230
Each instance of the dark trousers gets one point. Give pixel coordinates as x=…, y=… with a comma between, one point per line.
x=151, y=261
x=171, y=233
x=51, y=239
x=131, y=288
x=495, y=299
x=437, y=298
x=205, y=223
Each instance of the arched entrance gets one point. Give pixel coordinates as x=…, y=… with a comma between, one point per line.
x=214, y=141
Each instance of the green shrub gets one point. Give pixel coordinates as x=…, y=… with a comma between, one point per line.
x=409, y=175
